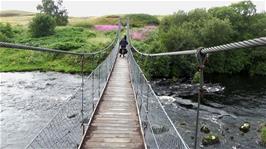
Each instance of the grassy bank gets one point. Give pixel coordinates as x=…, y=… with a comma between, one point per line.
x=65, y=38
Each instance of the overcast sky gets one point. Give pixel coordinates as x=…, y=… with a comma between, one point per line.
x=101, y=7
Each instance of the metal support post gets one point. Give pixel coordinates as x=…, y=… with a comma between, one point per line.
x=201, y=59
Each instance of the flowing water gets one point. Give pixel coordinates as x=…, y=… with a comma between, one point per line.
x=28, y=101
x=228, y=102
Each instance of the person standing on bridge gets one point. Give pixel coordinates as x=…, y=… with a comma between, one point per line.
x=123, y=46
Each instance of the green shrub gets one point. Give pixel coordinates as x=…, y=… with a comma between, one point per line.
x=196, y=77
x=3, y=37
x=6, y=32
x=66, y=45
x=42, y=25
x=64, y=38
x=140, y=20
x=71, y=31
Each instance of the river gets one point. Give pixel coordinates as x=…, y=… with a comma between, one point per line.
x=30, y=99
x=229, y=102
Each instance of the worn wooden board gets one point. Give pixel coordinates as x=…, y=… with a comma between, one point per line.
x=115, y=123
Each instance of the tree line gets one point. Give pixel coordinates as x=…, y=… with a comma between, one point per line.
x=206, y=28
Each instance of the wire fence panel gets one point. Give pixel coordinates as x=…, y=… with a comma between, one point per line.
x=65, y=130
x=159, y=130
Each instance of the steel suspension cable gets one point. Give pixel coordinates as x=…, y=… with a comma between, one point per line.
x=256, y=42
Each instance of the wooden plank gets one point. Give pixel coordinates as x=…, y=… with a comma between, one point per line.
x=132, y=133
x=127, y=119
x=112, y=135
x=114, y=145
x=128, y=125
x=116, y=124
x=113, y=140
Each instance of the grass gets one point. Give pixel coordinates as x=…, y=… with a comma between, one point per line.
x=73, y=21
x=80, y=22
x=17, y=20
x=66, y=38
x=16, y=17
x=16, y=60
x=103, y=20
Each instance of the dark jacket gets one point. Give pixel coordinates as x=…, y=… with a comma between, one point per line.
x=123, y=43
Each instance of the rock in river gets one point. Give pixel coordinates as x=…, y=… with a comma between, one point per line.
x=205, y=129
x=159, y=129
x=245, y=127
x=210, y=139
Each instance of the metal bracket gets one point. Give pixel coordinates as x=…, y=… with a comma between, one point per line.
x=202, y=58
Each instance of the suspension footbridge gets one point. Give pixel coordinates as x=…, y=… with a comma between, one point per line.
x=115, y=106
x=116, y=123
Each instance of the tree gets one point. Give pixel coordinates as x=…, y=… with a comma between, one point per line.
x=56, y=10
x=244, y=8
x=241, y=16
x=42, y=25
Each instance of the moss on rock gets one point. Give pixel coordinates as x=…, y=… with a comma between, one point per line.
x=263, y=135
x=210, y=139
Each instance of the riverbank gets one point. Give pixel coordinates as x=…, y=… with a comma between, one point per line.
x=229, y=103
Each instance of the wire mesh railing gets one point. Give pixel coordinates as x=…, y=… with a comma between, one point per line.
x=66, y=128
x=159, y=131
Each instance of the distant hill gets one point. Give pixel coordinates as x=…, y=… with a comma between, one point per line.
x=11, y=13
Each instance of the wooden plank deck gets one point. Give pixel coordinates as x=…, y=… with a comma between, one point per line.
x=115, y=123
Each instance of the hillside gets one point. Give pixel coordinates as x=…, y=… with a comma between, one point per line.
x=10, y=13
